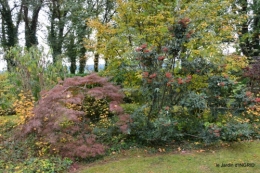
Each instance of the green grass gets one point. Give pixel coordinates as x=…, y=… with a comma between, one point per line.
x=135, y=161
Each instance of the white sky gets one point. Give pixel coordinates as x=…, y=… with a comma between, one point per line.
x=2, y=64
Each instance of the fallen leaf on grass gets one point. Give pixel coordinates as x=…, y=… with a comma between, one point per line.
x=161, y=150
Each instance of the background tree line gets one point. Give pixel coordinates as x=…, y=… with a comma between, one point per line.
x=119, y=25
x=66, y=25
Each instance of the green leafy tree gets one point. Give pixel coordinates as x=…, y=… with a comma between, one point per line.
x=75, y=49
x=134, y=23
x=59, y=12
x=9, y=27
x=101, y=23
x=31, y=22
x=68, y=29
x=33, y=71
x=249, y=33
x=11, y=19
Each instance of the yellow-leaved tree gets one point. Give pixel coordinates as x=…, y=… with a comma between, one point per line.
x=135, y=22
x=215, y=24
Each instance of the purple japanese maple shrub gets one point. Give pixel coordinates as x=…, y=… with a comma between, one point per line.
x=65, y=116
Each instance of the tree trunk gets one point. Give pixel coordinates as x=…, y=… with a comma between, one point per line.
x=56, y=33
x=31, y=24
x=82, y=59
x=73, y=65
x=96, y=60
x=106, y=64
x=71, y=52
x=9, y=32
x=256, y=30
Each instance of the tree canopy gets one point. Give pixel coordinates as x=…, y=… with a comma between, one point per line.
x=112, y=28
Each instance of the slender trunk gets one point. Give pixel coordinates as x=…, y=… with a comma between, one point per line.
x=244, y=44
x=31, y=24
x=56, y=52
x=73, y=65
x=83, y=59
x=96, y=60
x=56, y=34
x=106, y=64
x=71, y=52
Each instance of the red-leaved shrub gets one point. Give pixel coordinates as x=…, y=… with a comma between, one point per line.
x=66, y=115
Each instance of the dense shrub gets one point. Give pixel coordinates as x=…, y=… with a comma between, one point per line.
x=163, y=129
x=20, y=156
x=130, y=107
x=123, y=72
x=211, y=132
x=253, y=111
x=7, y=95
x=234, y=131
x=67, y=116
x=33, y=71
x=194, y=89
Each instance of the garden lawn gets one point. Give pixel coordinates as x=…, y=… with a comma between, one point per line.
x=196, y=161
